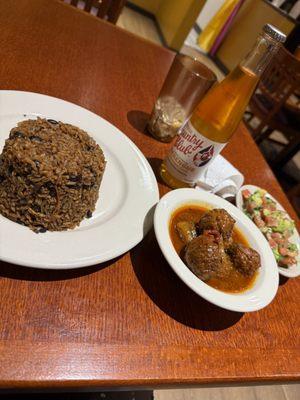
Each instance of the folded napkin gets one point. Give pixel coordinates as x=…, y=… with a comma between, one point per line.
x=221, y=178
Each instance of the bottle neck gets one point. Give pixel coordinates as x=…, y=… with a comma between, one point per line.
x=261, y=54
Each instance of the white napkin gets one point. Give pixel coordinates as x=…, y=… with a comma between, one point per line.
x=221, y=178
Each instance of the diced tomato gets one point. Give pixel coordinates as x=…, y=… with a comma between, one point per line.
x=258, y=221
x=250, y=206
x=271, y=221
x=283, y=251
x=272, y=243
x=276, y=235
x=279, y=239
x=246, y=193
x=269, y=207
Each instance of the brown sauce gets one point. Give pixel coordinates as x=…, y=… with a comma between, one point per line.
x=236, y=281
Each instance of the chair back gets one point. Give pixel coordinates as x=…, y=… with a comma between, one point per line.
x=281, y=78
x=108, y=9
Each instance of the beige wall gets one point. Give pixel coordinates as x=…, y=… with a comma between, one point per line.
x=247, y=25
x=176, y=18
x=210, y=8
x=148, y=5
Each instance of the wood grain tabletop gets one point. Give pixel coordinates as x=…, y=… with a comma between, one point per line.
x=129, y=322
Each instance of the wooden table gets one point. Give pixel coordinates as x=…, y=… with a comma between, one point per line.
x=129, y=322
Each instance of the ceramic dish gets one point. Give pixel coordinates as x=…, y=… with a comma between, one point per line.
x=127, y=195
x=266, y=284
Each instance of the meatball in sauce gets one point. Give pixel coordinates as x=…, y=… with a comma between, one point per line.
x=213, y=248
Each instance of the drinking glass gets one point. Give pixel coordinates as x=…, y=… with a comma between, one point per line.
x=185, y=85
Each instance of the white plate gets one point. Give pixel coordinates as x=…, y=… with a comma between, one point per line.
x=266, y=284
x=294, y=270
x=127, y=195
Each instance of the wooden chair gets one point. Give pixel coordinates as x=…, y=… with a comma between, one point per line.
x=108, y=9
x=279, y=82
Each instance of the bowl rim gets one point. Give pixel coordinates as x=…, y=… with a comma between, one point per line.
x=265, y=287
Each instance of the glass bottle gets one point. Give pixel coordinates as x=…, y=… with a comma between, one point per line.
x=218, y=115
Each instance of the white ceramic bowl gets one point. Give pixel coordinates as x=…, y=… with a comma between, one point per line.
x=265, y=287
x=294, y=270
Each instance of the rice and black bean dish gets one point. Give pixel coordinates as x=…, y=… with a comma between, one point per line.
x=50, y=174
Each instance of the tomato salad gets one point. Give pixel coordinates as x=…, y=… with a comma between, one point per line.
x=273, y=223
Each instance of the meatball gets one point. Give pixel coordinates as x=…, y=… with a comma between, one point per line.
x=206, y=258
x=217, y=220
x=245, y=259
x=203, y=257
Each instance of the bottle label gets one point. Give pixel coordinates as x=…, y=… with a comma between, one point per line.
x=191, y=154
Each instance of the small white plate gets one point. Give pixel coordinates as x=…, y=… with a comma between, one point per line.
x=128, y=193
x=294, y=270
x=265, y=287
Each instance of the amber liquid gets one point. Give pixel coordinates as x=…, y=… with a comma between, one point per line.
x=218, y=114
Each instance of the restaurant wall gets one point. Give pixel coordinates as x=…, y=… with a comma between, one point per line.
x=148, y=5
x=208, y=12
x=176, y=18
x=247, y=25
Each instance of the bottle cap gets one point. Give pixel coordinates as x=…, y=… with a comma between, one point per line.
x=275, y=33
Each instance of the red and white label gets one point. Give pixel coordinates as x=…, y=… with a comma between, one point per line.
x=191, y=154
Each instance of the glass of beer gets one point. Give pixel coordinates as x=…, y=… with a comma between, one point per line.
x=186, y=83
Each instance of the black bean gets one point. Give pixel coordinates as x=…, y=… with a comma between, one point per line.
x=52, y=121
x=36, y=208
x=23, y=202
x=27, y=169
x=76, y=186
x=37, y=163
x=89, y=187
x=16, y=134
x=41, y=229
x=75, y=178
x=89, y=214
x=51, y=187
x=36, y=188
x=2, y=178
x=10, y=169
x=18, y=221
x=35, y=138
